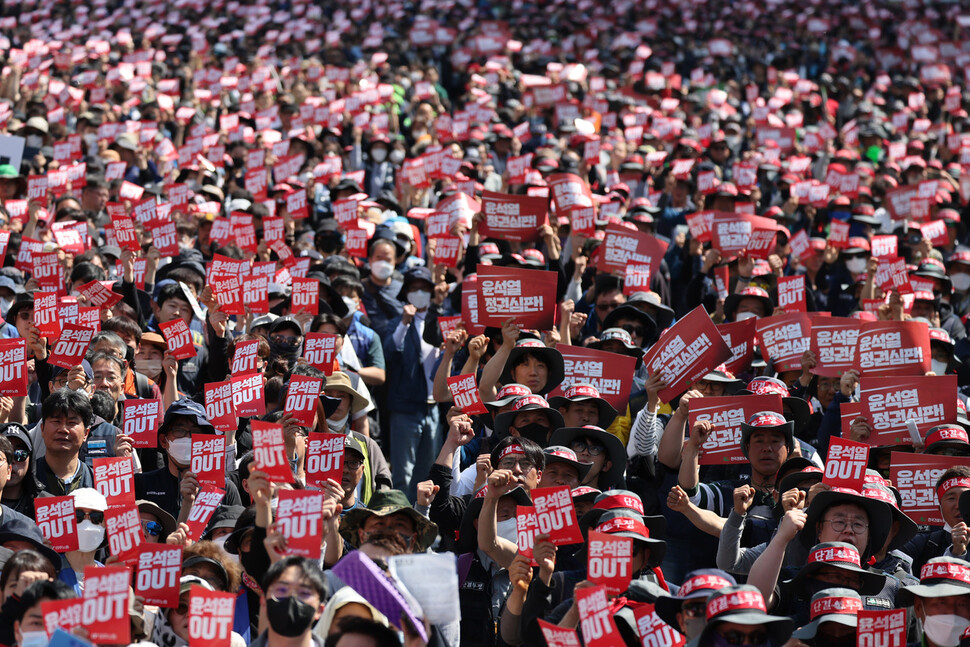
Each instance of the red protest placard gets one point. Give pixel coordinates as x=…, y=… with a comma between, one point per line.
x=527, y=527
x=46, y=270
x=839, y=234
x=105, y=608
x=299, y=518
x=730, y=232
x=141, y=422
x=556, y=636
x=570, y=193
x=610, y=373
x=609, y=561
x=685, y=352
x=556, y=515
x=464, y=392
x=915, y=476
x=99, y=295
x=208, y=461
x=248, y=398
x=700, y=223
x=513, y=217
x=13, y=367
x=891, y=274
x=833, y=342
x=845, y=465
x=178, y=337
x=884, y=246
x=345, y=213
x=893, y=348
x=596, y=623
x=159, y=569
x=270, y=452
x=123, y=526
x=791, y=293
x=636, y=279
x=245, y=357
x=726, y=413
x=528, y=296
x=64, y=614
x=622, y=247
x=890, y=403
x=470, y=311
x=114, y=478
x=740, y=339
x=447, y=250
x=45, y=314
x=650, y=624
x=228, y=288
x=210, y=617
x=848, y=412
x=305, y=296
x=324, y=458
x=886, y=628
x=55, y=518
x=302, y=396
x=206, y=502
x=320, y=350
x=784, y=338
x=446, y=325
x=761, y=243
x=218, y=406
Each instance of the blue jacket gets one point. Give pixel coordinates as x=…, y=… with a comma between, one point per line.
x=407, y=386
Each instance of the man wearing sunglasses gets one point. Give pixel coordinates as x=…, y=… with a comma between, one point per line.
x=22, y=487
x=89, y=508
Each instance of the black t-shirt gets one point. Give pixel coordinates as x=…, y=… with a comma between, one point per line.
x=162, y=487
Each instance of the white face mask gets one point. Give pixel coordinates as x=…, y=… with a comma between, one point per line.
x=381, y=269
x=961, y=281
x=508, y=529
x=741, y=316
x=89, y=536
x=4, y=306
x=150, y=367
x=34, y=141
x=856, y=265
x=33, y=639
x=180, y=450
x=378, y=154
x=337, y=424
x=420, y=299
x=938, y=367
x=397, y=156
x=351, y=305
x=945, y=629
x=222, y=544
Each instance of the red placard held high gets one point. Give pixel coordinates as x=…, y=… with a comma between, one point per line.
x=556, y=515
x=178, y=338
x=105, y=607
x=141, y=422
x=686, y=352
x=55, y=518
x=270, y=452
x=299, y=518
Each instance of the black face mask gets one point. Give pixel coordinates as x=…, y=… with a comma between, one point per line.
x=289, y=617
x=534, y=431
x=255, y=564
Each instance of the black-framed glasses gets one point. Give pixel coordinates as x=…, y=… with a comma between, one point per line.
x=353, y=463
x=838, y=525
x=753, y=638
x=285, y=339
x=580, y=446
x=20, y=455
x=96, y=516
x=152, y=528
x=634, y=330
x=509, y=462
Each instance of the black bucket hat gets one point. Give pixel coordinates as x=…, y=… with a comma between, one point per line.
x=743, y=605
x=843, y=556
x=880, y=517
x=698, y=585
x=613, y=477
x=581, y=392
x=551, y=357
x=838, y=605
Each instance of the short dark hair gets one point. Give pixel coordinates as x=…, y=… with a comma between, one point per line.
x=312, y=574
x=65, y=401
x=331, y=319
x=23, y=561
x=382, y=635
x=532, y=451
x=187, y=276
x=6, y=448
x=87, y=272
x=42, y=590
x=170, y=291
x=122, y=326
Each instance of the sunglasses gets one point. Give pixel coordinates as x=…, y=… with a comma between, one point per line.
x=96, y=516
x=152, y=528
x=634, y=330
x=754, y=638
x=694, y=610
x=20, y=455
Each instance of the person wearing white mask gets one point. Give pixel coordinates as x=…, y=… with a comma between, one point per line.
x=747, y=302
x=941, y=601
x=89, y=509
x=411, y=363
x=383, y=285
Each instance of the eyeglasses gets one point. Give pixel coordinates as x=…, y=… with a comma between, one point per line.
x=634, y=330
x=838, y=525
x=509, y=462
x=693, y=610
x=96, y=516
x=152, y=528
x=20, y=455
x=285, y=339
x=580, y=446
x=25, y=314
x=179, y=433
x=353, y=463
x=756, y=637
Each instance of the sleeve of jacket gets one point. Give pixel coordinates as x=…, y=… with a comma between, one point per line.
x=218, y=366
x=446, y=510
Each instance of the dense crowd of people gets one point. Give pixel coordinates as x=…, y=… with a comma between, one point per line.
x=475, y=323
